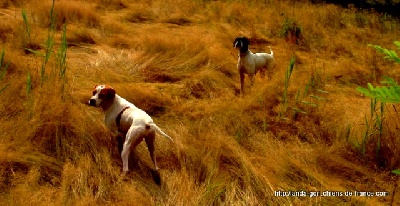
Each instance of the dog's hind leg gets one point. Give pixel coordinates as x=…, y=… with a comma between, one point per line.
x=120, y=141
x=262, y=72
x=251, y=77
x=150, y=146
x=133, y=138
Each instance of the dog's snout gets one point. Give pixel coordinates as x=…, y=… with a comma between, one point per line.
x=92, y=102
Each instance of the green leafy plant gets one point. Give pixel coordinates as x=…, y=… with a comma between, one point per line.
x=292, y=31
x=373, y=127
x=58, y=64
x=49, y=42
x=389, y=54
x=27, y=26
x=60, y=68
x=310, y=91
x=288, y=73
x=388, y=92
x=62, y=59
x=27, y=44
x=311, y=94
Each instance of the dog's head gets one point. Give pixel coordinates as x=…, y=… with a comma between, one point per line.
x=241, y=43
x=103, y=96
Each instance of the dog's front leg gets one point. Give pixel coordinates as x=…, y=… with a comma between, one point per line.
x=132, y=139
x=241, y=82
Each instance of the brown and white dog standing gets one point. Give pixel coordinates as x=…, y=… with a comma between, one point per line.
x=124, y=118
x=250, y=63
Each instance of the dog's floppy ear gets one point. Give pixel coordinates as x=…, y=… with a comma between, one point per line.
x=245, y=40
x=107, y=93
x=110, y=92
x=236, y=40
x=244, y=43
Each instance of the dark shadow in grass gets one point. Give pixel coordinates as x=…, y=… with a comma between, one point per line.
x=180, y=21
x=156, y=176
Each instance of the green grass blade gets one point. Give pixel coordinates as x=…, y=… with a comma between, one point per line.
x=309, y=103
x=322, y=91
x=299, y=110
x=37, y=53
x=26, y=23
x=317, y=97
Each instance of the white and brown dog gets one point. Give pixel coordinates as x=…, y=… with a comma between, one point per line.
x=250, y=63
x=124, y=118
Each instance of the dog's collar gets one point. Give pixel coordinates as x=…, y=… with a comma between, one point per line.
x=118, y=119
x=244, y=54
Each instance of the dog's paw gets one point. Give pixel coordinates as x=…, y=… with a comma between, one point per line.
x=124, y=175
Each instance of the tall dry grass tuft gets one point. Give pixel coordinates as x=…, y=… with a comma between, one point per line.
x=163, y=58
x=239, y=17
x=78, y=36
x=55, y=134
x=65, y=11
x=171, y=46
x=208, y=84
x=216, y=170
x=90, y=180
x=111, y=4
x=5, y=4
x=140, y=13
x=7, y=30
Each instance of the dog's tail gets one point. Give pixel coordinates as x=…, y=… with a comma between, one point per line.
x=270, y=50
x=153, y=125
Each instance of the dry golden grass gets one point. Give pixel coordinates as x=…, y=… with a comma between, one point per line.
x=175, y=60
x=6, y=31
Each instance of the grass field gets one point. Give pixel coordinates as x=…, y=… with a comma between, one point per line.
x=176, y=61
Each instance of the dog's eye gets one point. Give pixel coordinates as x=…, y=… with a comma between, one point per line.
x=94, y=93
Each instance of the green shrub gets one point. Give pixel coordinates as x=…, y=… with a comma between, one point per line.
x=387, y=93
x=292, y=31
